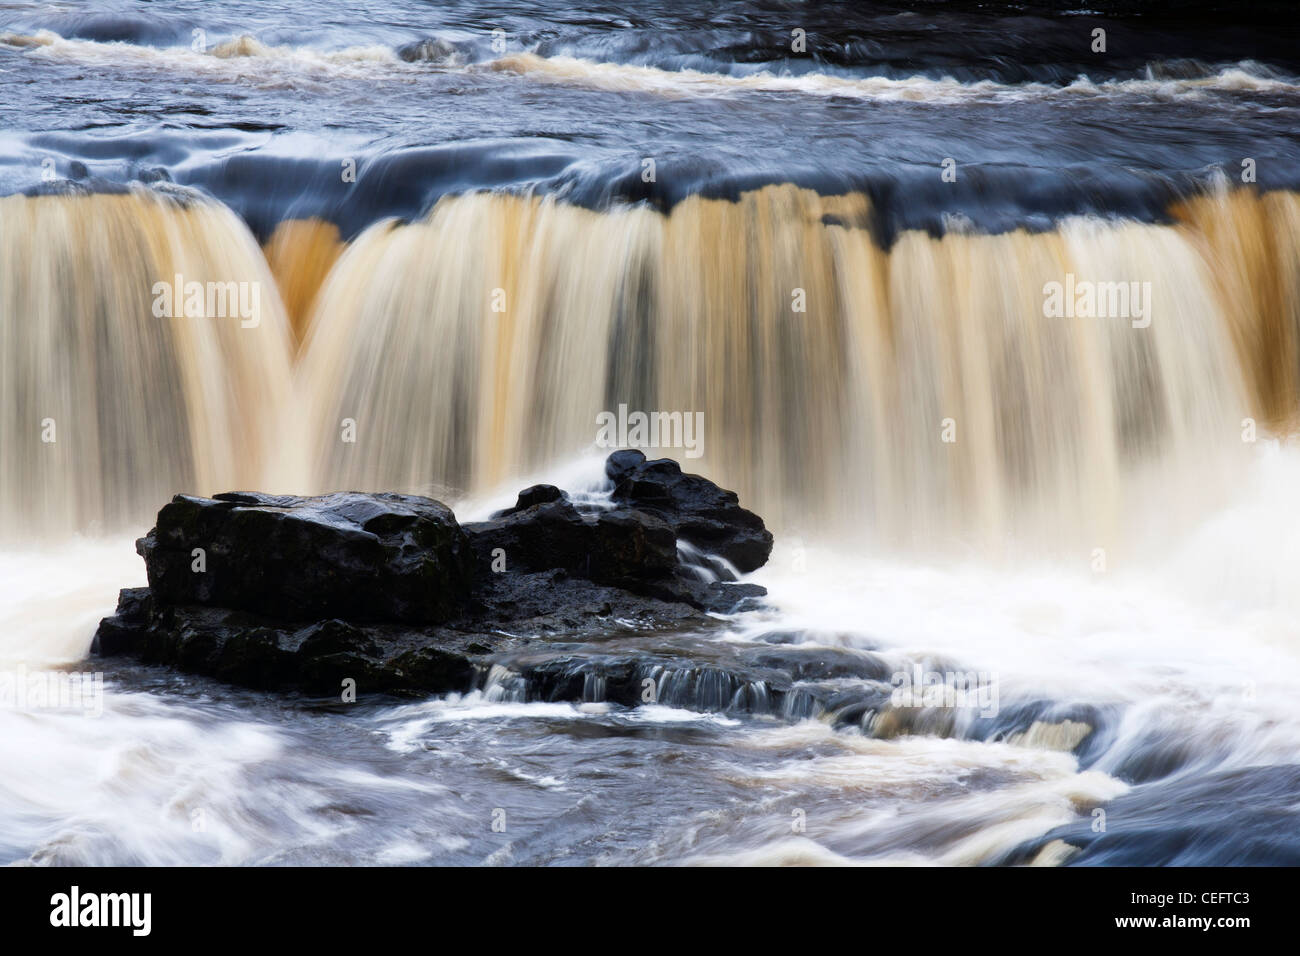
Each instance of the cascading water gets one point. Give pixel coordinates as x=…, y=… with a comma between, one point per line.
x=915, y=393
x=1096, y=513
x=110, y=409
x=825, y=367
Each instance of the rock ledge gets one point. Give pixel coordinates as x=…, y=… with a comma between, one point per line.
x=294, y=593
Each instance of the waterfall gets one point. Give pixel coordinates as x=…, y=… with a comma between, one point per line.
x=918, y=395
x=830, y=417
x=109, y=410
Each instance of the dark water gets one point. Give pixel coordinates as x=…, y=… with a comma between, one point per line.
x=1189, y=769
x=1190, y=748
x=1037, y=123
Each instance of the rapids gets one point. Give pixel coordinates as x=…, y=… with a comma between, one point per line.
x=1096, y=515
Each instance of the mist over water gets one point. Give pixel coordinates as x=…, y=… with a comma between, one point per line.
x=1108, y=533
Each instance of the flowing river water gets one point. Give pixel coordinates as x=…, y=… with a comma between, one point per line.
x=676, y=211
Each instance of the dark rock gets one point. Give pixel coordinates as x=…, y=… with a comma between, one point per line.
x=810, y=662
x=635, y=545
x=118, y=634
x=621, y=547
x=624, y=548
x=622, y=463
x=671, y=667
x=699, y=511
x=390, y=592
x=252, y=658
x=448, y=668
x=335, y=637
x=380, y=557
x=556, y=603
x=534, y=495
x=632, y=679
x=260, y=652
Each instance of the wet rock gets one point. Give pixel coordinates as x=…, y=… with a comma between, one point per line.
x=621, y=547
x=380, y=557
x=391, y=592
x=674, y=669
x=1180, y=821
x=631, y=546
x=260, y=652
x=701, y=513
x=119, y=634
x=555, y=602
x=622, y=463
x=534, y=495
x=431, y=50
x=810, y=662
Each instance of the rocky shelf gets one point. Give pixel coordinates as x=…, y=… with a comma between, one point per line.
x=616, y=600
x=298, y=593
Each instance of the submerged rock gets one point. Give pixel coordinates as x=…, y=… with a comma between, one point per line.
x=432, y=50
x=285, y=592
